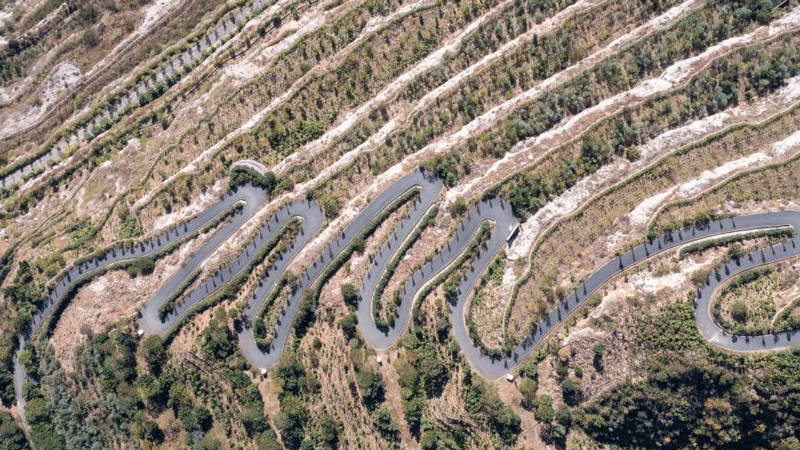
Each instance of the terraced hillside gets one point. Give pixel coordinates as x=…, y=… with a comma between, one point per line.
x=286, y=224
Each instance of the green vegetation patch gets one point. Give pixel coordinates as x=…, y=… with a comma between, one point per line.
x=773, y=234
x=789, y=317
x=726, y=400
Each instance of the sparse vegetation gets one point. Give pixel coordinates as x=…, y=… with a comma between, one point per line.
x=493, y=278
x=746, y=305
x=388, y=319
x=450, y=276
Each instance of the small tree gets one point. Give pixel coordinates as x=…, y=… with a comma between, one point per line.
x=202, y=417
x=371, y=387
x=570, y=391
x=790, y=443
x=36, y=411
x=459, y=207
x=359, y=243
x=384, y=423
x=544, y=409
x=764, y=11
x=350, y=294
x=527, y=387
x=597, y=362
x=735, y=252
x=562, y=369
x=150, y=431
x=11, y=435
x=451, y=290
x=348, y=326
x=529, y=369
x=154, y=353
x=291, y=421
x=740, y=312
x=330, y=427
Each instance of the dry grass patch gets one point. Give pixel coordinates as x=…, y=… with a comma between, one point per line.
x=778, y=181
x=486, y=309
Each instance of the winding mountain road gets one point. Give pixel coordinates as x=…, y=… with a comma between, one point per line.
x=497, y=211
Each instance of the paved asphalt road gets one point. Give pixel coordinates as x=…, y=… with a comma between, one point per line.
x=430, y=189
x=497, y=211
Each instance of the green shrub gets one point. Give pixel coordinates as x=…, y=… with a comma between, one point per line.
x=383, y=422
x=371, y=387
x=11, y=436
x=350, y=294
x=570, y=391
x=130, y=228
x=780, y=234
x=241, y=175
x=739, y=311
x=142, y=266
x=484, y=406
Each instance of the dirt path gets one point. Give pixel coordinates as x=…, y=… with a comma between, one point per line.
x=787, y=298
